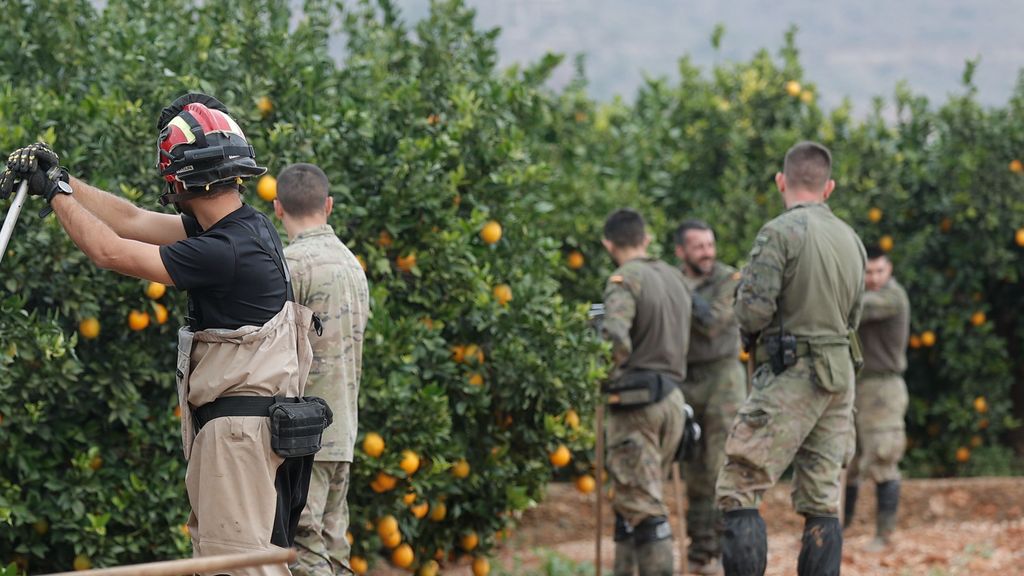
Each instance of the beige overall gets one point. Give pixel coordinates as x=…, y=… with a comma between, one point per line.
x=231, y=467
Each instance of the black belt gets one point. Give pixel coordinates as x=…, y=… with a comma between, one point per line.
x=236, y=406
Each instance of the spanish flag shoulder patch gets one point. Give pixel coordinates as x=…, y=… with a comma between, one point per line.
x=737, y=275
x=616, y=279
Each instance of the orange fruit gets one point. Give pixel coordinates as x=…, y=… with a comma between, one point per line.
x=586, y=483
x=403, y=556
x=155, y=290
x=481, y=566
x=875, y=215
x=1016, y=166
x=793, y=88
x=392, y=540
x=438, y=511
x=138, y=320
x=177, y=412
x=572, y=419
x=433, y=120
x=82, y=562
x=406, y=263
x=461, y=469
x=409, y=499
x=89, y=328
x=744, y=356
x=580, y=116
x=502, y=294
x=358, y=565
x=265, y=106
x=410, y=462
x=978, y=318
x=886, y=243
x=806, y=96
x=266, y=188
x=575, y=260
x=475, y=379
x=428, y=568
x=373, y=445
x=41, y=526
x=983, y=423
x=1019, y=237
x=459, y=353
x=927, y=338
x=469, y=541
x=185, y=530
x=387, y=525
x=384, y=239
x=420, y=510
x=349, y=538
x=491, y=232
x=96, y=463
x=980, y=405
x=915, y=341
x=976, y=441
x=385, y=481
x=963, y=454
x=362, y=262
x=560, y=457
x=945, y=225
x=160, y=312
x=473, y=352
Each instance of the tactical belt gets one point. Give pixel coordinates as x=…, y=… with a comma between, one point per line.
x=235, y=406
x=639, y=389
x=296, y=424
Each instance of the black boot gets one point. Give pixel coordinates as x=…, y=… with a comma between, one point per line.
x=888, y=504
x=851, y=504
x=654, y=547
x=625, y=548
x=744, y=543
x=821, y=552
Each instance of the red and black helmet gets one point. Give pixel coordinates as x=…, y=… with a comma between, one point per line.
x=200, y=145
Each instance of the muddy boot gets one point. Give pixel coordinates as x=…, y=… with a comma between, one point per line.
x=744, y=543
x=704, y=526
x=885, y=522
x=625, y=550
x=851, y=504
x=654, y=547
x=821, y=552
x=712, y=567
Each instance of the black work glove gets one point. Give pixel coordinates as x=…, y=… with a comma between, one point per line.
x=702, y=312
x=39, y=165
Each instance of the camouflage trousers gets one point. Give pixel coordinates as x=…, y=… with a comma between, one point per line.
x=642, y=443
x=715, y=391
x=881, y=432
x=320, y=541
x=789, y=418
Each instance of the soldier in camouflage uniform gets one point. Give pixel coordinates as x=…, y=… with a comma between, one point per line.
x=647, y=320
x=715, y=385
x=328, y=279
x=881, y=394
x=800, y=297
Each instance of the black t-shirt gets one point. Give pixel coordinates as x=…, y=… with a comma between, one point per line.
x=231, y=279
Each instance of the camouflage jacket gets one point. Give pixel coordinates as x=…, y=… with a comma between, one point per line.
x=885, y=329
x=716, y=332
x=647, y=318
x=327, y=278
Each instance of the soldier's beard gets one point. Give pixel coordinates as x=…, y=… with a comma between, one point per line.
x=701, y=267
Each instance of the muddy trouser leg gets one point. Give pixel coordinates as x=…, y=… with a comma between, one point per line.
x=744, y=543
x=625, y=548
x=653, y=539
x=821, y=551
x=888, y=505
x=850, y=505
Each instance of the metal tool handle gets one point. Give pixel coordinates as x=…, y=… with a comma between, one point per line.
x=192, y=565
x=12, y=217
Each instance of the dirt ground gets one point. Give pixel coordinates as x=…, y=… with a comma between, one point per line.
x=947, y=527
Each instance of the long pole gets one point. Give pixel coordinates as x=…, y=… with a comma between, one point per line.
x=12, y=217
x=190, y=566
x=599, y=441
x=677, y=487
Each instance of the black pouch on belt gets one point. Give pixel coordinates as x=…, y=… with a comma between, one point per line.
x=638, y=389
x=297, y=425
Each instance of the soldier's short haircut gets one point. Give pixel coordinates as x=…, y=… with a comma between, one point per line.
x=874, y=253
x=625, y=228
x=686, y=226
x=808, y=166
x=302, y=189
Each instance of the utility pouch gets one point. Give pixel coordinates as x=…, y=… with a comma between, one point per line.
x=856, y=352
x=638, y=389
x=781, y=352
x=297, y=425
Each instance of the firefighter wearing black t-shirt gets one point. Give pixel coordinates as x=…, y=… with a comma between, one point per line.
x=246, y=341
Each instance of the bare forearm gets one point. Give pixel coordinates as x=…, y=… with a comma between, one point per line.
x=126, y=219
x=85, y=228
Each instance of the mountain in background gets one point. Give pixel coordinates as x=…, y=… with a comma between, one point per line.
x=859, y=49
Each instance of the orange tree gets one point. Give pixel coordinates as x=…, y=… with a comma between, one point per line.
x=425, y=148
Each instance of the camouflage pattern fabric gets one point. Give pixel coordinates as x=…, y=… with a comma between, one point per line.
x=642, y=443
x=715, y=390
x=320, y=542
x=881, y=432
x=716, y=334
x=806, y=266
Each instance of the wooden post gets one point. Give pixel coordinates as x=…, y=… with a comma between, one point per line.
x=189, y=566
x=681, y=528
x=599, y=472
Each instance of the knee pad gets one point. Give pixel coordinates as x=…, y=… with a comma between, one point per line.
x=652, y=530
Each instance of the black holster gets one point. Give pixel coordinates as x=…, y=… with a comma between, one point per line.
x=781, y=351
x=638, y=389
x=297, y=425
